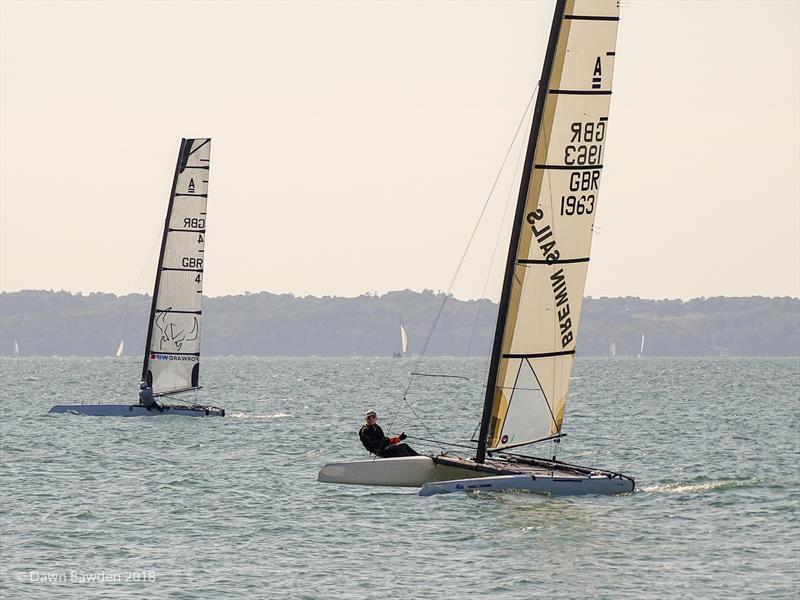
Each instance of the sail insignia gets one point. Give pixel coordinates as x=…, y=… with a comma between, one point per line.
x=172, y=358
x=549, y=254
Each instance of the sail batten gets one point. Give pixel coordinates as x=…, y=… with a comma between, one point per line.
x=550, y=246
x=172, y=356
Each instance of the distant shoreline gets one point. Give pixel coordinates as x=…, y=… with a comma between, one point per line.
x=45, y=323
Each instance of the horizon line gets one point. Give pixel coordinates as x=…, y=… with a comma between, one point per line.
x=375, y=294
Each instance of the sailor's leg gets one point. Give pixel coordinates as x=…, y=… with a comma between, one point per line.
x=405, y=450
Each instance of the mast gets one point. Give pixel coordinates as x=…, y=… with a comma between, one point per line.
x=180, y=162
x=502, y=315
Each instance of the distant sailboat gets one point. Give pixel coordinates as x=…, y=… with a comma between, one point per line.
x=612, y=347
x=120, y=349
x=403, y=343
x=172, y=355
x=641, y=346
x=545, y=275
x=16, y=348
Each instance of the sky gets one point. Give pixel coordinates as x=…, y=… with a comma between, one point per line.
x=355, y=143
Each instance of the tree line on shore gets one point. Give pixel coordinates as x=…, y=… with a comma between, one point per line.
x=47, y=323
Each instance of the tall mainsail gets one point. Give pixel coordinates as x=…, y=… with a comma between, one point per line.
x=172, y=355
x=549, y=251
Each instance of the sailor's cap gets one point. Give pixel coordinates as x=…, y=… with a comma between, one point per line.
x=372, y=413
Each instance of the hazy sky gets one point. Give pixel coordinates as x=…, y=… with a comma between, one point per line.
x=355, y=143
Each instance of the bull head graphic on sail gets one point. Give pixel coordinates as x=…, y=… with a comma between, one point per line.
x=173, y=333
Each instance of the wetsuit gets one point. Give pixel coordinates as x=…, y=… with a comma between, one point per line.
x=147, y=400
x=378, y=444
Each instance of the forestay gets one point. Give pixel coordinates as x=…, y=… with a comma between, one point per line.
x=559, y=198
x=172, y=355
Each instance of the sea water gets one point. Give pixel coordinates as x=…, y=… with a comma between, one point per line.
x=178, y=507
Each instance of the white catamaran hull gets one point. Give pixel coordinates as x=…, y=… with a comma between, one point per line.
x=408, y=471
x=443, y=474
x=137, y=410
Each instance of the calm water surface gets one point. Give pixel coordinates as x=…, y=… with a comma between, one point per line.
x=230, y=508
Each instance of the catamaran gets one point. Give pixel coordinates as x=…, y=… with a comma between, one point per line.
x=545, y=275
x=172, y=354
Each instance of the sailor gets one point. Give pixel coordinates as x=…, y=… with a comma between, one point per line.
x=146, y=398
x=377, y=443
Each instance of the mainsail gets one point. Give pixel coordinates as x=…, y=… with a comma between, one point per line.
x=172, y=354
x=120, y=349
x=403, y=340
x=549, y=251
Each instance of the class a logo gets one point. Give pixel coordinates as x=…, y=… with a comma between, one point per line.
x=191, y=185
x=597, y=75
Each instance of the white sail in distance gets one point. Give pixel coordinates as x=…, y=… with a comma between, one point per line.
x=172, y=355
x=550, y=246
x=403, y=340
x=120, y=349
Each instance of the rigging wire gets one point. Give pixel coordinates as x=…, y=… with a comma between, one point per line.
x=422, y=442
x=520, y=158
x=458, y=268
x=138, y=284
x=440, y=375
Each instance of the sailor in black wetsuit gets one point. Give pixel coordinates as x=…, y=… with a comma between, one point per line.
x=377, y=443
x=146, y=398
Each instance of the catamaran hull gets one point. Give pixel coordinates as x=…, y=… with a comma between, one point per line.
x=409, y=471
x=137, y=410
x=542, y=484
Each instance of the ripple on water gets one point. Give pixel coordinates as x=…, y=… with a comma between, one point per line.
x=230, y=508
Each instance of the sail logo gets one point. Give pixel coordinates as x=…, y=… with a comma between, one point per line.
x=544, y=236
x=561, y=298
x=172, y=333
x=597, y=75
x=185, y=358
x=547, y=244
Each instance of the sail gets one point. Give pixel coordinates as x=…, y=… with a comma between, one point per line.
x=549, y=252
x=403, y=340
x=172, y=355
x=120, y=348
x=16, y=348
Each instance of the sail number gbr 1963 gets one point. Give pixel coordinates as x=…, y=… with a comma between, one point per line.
x=585, y=149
